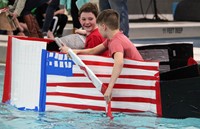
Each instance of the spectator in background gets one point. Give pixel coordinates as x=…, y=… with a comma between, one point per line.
x=23, y=8
x=7, y=24
x=121, y=7
x=53, y=5
x=40, y=14
x=74, y=14
x=73, y=7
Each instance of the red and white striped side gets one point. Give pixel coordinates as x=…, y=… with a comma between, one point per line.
x=136, y=90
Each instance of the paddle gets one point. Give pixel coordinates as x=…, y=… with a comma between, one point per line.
x=88, y=73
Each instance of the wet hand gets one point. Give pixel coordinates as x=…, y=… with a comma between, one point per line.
x=108, y=95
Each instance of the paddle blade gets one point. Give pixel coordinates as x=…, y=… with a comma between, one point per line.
x=109, y=112
x=103, y=89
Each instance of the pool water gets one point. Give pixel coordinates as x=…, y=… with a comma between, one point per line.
x=11, y=118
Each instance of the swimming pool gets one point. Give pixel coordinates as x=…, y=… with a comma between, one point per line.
x=11, y=118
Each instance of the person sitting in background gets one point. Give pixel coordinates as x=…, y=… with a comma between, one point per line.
x=56, y=27
x=118, y=45
x=9, y=25
x=23, y=8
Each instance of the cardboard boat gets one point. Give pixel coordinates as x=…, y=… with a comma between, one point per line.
x=39, y=78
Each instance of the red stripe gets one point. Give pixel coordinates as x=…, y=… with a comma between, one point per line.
x=72, y=84
x=131, y=86
x=75, y=95
x=158, y=99
x=95, y=63
x=34, y=39
x=114, y=99
x=134, y=99
x=95, y=108
x=77, y=106
x=90, y=85
x=7, y=79
x=121, y=76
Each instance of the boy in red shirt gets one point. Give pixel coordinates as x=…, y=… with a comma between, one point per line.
x=118, y=45
x=87, y=17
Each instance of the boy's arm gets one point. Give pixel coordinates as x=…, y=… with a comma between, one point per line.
x=117, y=68
x=91, y=51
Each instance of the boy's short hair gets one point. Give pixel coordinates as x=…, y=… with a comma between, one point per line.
x=109, y=17
x=89, y=7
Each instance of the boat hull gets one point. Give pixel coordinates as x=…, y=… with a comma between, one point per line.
x=40, y=80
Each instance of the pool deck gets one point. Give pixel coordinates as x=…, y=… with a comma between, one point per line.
x=145, y=33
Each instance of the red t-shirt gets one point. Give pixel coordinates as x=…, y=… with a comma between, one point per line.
x=120, y=43
x=94, y=39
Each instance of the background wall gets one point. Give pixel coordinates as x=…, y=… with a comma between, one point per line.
x=147, y=6
x=136, y=6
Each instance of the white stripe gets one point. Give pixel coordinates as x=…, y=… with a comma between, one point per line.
x=134, y=106
x=152, y=107
x=140, y=63
x=76, y=69
x=125, y=71
x=81, y=91
x=70, y=100
x=94, y=92
x=108, y=70
x=110, y=60
x=60, y=108
x=134, y=93
x=141, y=106
x=60, y=79
x=139, y=82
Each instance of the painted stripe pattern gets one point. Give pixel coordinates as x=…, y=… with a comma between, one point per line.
x=136, y=89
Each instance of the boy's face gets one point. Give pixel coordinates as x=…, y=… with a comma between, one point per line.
x=88, y=21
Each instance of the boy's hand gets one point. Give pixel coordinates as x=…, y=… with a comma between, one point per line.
x=64, y=49
x=108, y=95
